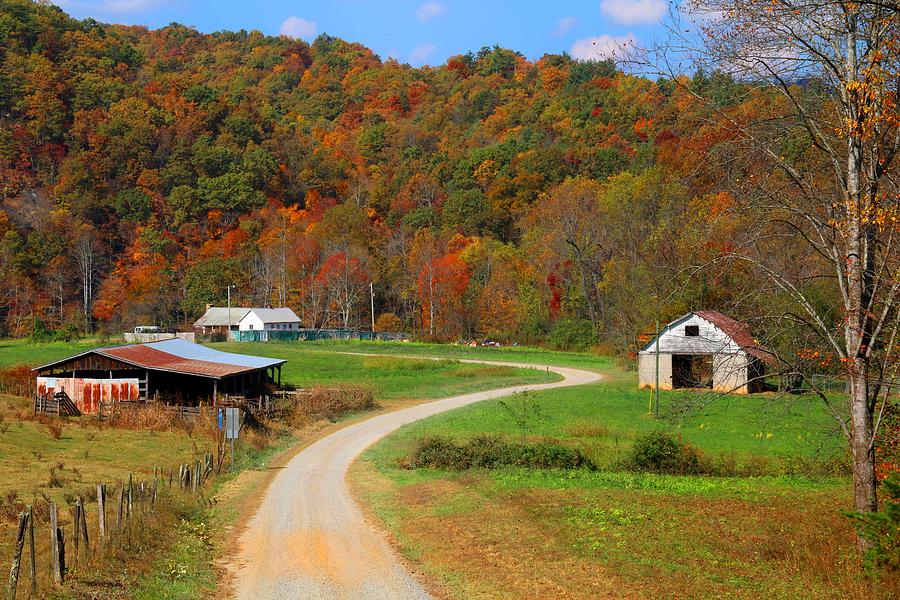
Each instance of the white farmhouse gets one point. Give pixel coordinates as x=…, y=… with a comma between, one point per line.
x=218, y=319
x=704, y=349
x=269, y=319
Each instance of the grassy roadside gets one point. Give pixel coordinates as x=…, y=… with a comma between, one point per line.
x=195, y=565
x=516, y=532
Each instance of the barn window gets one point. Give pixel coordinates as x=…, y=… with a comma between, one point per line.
x=692, y=330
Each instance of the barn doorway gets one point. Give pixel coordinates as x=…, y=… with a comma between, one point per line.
x=692, y=371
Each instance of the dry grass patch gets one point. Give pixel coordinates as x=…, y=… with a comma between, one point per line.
x=496, y=549
x=586, y=428
x=574, y=543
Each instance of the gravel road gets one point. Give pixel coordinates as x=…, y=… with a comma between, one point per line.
x=309, y=539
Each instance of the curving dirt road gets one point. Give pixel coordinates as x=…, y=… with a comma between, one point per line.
x=309, y=539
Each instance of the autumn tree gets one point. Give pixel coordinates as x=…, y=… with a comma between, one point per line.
x=817, y=139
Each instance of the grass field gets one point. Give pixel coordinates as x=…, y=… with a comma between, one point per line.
x=36, y=462
x=84, y=454
x=26, y=352
x=527, y=533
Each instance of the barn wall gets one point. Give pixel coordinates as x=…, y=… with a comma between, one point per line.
x=711, y=340
x=730, y=373
x=647, y=370
x=87, y=393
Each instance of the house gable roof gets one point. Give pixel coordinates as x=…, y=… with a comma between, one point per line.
x=736, y=331
x=274, y=315
x=218, y=316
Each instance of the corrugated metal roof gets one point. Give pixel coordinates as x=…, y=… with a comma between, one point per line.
x=181, y=356
x=276, y=315
x=217, y=316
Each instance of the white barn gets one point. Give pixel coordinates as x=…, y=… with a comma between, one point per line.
x=704, y=349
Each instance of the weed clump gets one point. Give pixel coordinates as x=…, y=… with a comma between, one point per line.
x=492, y=452
x=663, y=452
x=321, y=403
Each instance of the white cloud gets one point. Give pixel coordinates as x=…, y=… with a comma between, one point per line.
x=295, y=27
x=564, y=26
x=431, y=10
x=421, y=53
x=128, y=5
x=602, y=47
x=634, y=12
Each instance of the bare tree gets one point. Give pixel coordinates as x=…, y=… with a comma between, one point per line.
x=87, y=254
x=822, y=74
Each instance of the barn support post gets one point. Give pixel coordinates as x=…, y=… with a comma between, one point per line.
x=215, y=391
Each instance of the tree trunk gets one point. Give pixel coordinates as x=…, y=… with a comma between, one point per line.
x=864, y=483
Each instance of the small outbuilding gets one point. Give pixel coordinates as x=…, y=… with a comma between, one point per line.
x=173, y=370
x=704, y=349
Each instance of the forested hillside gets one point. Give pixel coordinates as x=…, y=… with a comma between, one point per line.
x=142, y=172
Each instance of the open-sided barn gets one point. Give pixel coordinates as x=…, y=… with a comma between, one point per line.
x=176, y=370
x=704, y=349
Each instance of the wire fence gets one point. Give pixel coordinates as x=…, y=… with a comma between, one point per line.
x=52, y=543
x=309, y=335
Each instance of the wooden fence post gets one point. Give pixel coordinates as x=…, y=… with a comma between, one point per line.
x=83, y=534
x=101, y=510
x=77, y=530
x=54, y=546
x=17, y=558
x=130, y=495
x=121, y=508
x=61, y=548
x=33, y=566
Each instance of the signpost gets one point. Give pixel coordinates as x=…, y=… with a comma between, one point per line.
x=230, y=421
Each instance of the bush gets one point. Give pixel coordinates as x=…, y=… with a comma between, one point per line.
x=17, y=381
x=330, y=403
x=882, y=529
x=662, y=452
x=573, y=334
x=388, y=322
x=492, y=452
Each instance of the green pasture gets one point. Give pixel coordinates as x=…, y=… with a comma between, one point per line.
x=393, y=377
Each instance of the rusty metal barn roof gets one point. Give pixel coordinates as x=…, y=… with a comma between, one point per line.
x=180, y=356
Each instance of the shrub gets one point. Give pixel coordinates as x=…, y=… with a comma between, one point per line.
x=492, y=452
x=662, y=452
x=330, y=403
x=573, y=334
x=17, y=381
x=388, y=322
x=882, y=529
x=54, y=428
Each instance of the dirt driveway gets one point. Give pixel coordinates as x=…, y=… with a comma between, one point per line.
x=309, y=539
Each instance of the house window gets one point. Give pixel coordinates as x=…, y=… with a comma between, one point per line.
x=251, y=326
x=692, y=330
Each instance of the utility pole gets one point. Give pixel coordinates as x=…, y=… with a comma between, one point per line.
x=656, y=389
x=228, y=338
x=372, y=300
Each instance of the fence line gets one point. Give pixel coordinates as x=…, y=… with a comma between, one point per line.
x=133, y=499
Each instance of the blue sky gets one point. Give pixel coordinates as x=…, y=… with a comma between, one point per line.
x=418, y=32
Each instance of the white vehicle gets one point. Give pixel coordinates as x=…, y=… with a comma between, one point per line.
x=147, y=329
